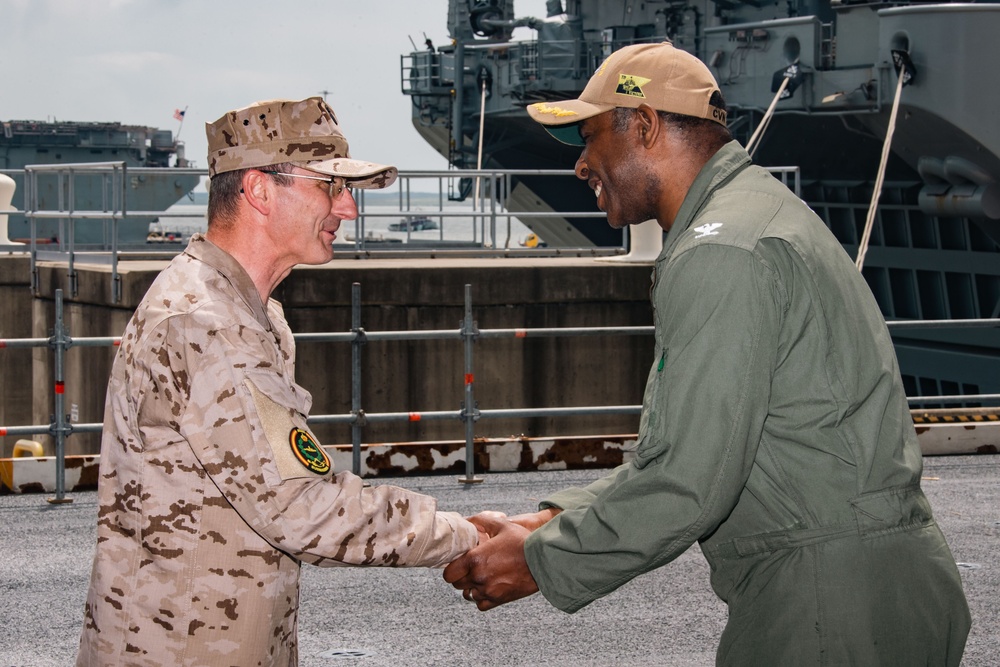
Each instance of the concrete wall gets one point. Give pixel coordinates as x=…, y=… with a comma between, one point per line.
x=404, y=376
x=15, y=364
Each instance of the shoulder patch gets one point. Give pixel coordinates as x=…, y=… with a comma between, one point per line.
x=288, y=440
x=308, y=451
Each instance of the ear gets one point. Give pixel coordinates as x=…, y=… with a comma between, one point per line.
x=649, y=126
x=257, y=191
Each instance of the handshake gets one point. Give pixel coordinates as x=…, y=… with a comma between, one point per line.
x=495, y=571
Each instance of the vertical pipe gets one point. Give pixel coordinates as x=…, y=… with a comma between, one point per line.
x=61, y=201
x=493, y=210
x=506, y=193
x=456, y=153
x=441, y=207
x=71, y=231
x=479, y=154
x=469, y=411
x=31, y=204
x=358, y=230
x=458, y=101
x=116, y=279
x=361, y=220
x=356, y=377
x=59, y=427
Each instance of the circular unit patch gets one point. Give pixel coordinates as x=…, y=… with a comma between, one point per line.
x=308, y=451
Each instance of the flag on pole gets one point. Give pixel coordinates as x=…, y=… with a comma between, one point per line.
x=178, y=114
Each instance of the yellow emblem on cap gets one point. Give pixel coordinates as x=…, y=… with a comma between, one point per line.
x=542, y=107
x=631, y=85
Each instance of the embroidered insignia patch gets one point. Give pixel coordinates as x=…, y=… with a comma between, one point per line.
x=542, y=107
x=631, y=85
x=708, y=229
x=308, y=451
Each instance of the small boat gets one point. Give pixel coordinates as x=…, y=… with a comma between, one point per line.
x=413, y=223
x=371, y=237
x=162, y=236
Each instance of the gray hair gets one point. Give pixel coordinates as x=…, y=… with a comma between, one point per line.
x=225, y=190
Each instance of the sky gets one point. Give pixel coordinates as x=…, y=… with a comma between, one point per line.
x=136, y=61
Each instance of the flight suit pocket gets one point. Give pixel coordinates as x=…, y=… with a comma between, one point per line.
x=651, y=442
x=891, y=510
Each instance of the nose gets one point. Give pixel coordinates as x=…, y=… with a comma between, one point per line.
x=344, y=206
x=581, y=169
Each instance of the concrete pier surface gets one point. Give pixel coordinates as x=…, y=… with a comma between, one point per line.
x=401, y=618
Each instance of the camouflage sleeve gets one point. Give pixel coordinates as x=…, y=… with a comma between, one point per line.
x=245, y=420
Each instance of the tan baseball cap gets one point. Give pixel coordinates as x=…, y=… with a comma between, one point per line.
x=305, y=132
x=664, y=77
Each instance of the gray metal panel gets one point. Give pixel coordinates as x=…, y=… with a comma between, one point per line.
x=954, y=48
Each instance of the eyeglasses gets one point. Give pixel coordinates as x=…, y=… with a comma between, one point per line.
x=335, y=184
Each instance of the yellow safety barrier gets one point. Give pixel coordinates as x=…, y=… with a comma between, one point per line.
x=27, y=448
x=22, y=448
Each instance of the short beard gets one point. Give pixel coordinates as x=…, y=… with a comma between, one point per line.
x=640, y=204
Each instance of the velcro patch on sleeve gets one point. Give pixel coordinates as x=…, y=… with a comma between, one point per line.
x=296, y=451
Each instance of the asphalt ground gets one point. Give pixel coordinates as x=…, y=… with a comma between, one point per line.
x=381, y=617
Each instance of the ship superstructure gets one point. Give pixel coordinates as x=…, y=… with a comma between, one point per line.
x=935, y=245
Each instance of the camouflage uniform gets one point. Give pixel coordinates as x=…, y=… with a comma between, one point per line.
x=300, y=131
x=213, y=490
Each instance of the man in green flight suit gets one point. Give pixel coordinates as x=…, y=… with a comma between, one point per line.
x=774, y=429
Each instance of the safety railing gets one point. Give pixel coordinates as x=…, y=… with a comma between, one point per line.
x=469, y=412
x=105, y=186
x=479, y=226
x=390, y=223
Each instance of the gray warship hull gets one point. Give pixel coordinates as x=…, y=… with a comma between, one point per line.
x=27, y=143
x=935, y=246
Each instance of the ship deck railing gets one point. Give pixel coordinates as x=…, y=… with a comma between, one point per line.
x=527, y=69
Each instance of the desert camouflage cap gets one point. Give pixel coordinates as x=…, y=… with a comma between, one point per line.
x=660, y=75
x=305, y=132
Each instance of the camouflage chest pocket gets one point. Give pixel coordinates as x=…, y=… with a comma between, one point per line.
x=276, y=411
x=651, y=442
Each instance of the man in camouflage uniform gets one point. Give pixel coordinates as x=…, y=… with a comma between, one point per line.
x=212, y=488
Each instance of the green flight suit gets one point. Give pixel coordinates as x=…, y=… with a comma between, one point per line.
x=774, y=431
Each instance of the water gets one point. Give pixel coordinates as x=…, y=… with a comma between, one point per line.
x=178, y=224
x=456, y=222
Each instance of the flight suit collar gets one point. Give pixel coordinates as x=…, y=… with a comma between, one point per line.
x=730, y=160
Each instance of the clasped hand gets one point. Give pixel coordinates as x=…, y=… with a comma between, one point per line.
x=495, y=572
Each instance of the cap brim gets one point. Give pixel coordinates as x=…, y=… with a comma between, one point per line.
x=566, y=134
x=360, y=174
x=562, y=119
